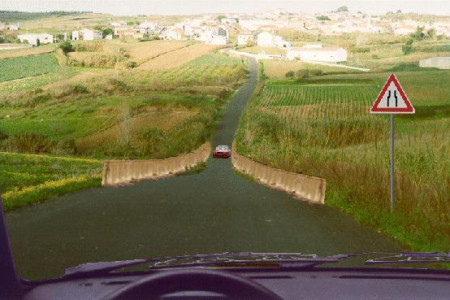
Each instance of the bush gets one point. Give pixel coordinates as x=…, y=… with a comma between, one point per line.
x=361, y=50
x=302, y=74
x=66, y=47
x=290, y=74
x=80, y=89
x=323, y=18
x=316, y=72
x=131, y=64
x=29, y=143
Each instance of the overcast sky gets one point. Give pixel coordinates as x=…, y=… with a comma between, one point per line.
x=185, y=7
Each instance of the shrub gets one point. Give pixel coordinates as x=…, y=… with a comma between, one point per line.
x=302, y=74
x=80, y=89
x=290, y=74
x=316, y=72
x=29, y=143
x=66, y=47
x=131, y=64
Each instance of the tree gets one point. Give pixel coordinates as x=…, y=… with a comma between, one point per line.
x=107, y=31
x=407, y=48
x=342, y=9
x=302, y=74
x=419, y=35
x=220, y=17
x=323, y=18
x=431, y=33
x=38, y=42
x=290, y=74
x=66, y=47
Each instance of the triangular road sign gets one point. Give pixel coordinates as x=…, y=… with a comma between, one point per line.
x=392, y=99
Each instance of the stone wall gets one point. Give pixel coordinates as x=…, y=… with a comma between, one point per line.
x=303, y=187
x=124, y=171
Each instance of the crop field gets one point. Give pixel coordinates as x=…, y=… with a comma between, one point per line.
x=118, y=112
x=141, y=52
x=321, y=126
x=38, y=81
x=177, y=58
x=94, y=112
x=277, y=69
x=210, y=71
x=26, y=178
x=21, y=67
x=26, y=52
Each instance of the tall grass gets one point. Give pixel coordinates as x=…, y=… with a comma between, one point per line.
x=301, y=129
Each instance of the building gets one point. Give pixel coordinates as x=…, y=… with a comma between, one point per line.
x=322, y=54
x=219, y=40
x=404, y=30
x=118, y=24
x=35, y=38
x=245, y=39
x=254, y=24
x=266, y=39
x=13, y=27
x=147, y=27
x=86, y=35
x=435, y=62
x=172, y=34
x=229, y=21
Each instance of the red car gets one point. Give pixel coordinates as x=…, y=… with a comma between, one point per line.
x=222, y=151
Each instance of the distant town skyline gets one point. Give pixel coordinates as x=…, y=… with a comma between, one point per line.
x=189, y=7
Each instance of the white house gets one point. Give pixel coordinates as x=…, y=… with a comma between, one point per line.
x=86, y=34
x=404, y=30
x=33, y=38
x=254, y=24
x=322, y=54
x=217, y=40
x=245, y=39
x=266, y=39
x=13, y=27
x=172, y=34
x=118, y=24
x=147, y=27
x=229, y=21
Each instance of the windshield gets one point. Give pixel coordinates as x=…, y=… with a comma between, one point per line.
x=331, y=124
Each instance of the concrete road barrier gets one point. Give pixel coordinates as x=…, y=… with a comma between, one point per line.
x=124, y=171
x=304, y=187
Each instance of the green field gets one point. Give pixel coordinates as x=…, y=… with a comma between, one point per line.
x=321, y=126
x=84, y=113
x=27, y=66
x=27, y=179
x=144, y=114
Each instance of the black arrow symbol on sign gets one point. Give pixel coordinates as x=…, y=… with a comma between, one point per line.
x=396, y=100
x=388, y=97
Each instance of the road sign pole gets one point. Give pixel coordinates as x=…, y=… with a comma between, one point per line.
x=384, y=104
x=392, y=163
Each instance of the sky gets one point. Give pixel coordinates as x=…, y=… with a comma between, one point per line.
x=187, y=7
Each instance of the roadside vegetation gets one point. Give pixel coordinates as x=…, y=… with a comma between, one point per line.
x=100, y=100
x=320, y=125
x=29, y=178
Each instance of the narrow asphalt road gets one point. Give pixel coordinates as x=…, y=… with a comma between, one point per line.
x=213, y=211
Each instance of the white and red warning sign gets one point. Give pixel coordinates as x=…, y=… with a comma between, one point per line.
x=392, y=99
